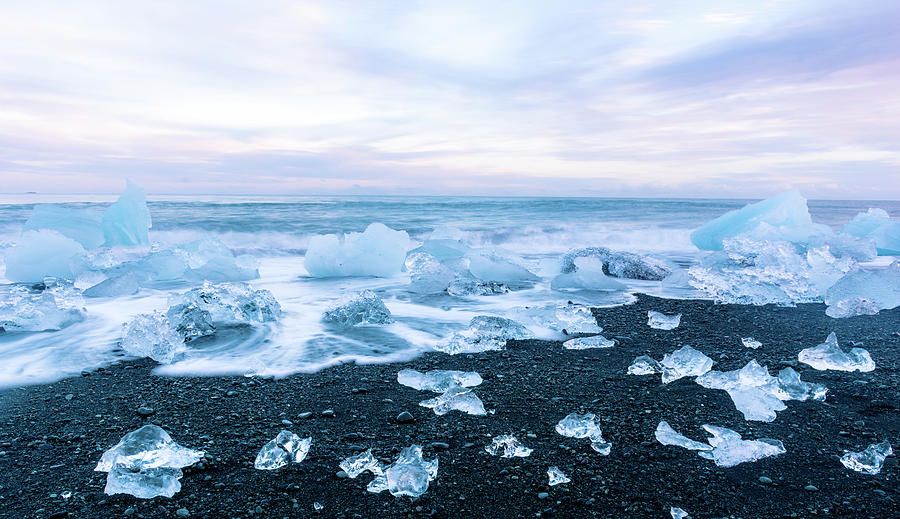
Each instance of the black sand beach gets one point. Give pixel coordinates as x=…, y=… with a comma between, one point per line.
x=52, y=435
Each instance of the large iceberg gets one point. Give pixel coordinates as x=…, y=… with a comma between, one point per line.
x=881, y=287
x=362, y=309
x=42, y=253
x=588, y=275
x=829, y=355
x=127, y=220
x=79, y=224
x=378, y=251
x=53, y=308
x=617, y=264
x=878, y=225
x=485, y=332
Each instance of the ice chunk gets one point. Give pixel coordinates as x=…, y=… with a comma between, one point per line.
x=830, y=356
x=730, y=450
x=557, y=477
x=882, y=286
x=668, y=436
x=475, y=287
x=410, y=474
x=878, y=225
x=585, y=425
x=225, y=268
x=285, y=448
x=364, y=308
x=678, y=513
x=582, y=343
x=750, y=342
x=589, y=275
x=660, y=321
x=125, y=285
x=81, y=225
x=151, y=335
x=644, y=365
x=485, y=333
x=378, y=251
x=445, y=248
x=790, y=385
x=230, y=303
x=427, y=275
x=568, y=318
x=617, y=264
x=870, y=460
x=493, y=265
x=40, y=254
x=684, y=362
x=127, y=220
x=359, y=463
x=851, y=307
x=455, y=398
x=437, y=380
x=53, y=308
x=146, y=463
x=509, y=445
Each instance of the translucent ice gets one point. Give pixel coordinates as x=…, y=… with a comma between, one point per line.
x=585, y=425
x=830, y=356
x=878, y=225
x=427, y=275
x=445, y=248
x=146, y=463
x=40, y=254
x=509, y=445
x=582, y=343
x=53, y=308
x=870, y=460
x=285, y=448
x=678, y=513
x=127, y=220
x=668, y=436
x=588, y=275
x=124, y=285
x=410, y=474
x=493, y=265
x=569, y=318
x=684, y=362
x=475, y=287
x=437, y=380
x=364, y=308
x=359, y=463
x=882, y=286
x=750, y=342
x=151, y=335
x=378, y=251
x=81, y=225
x=556, y=477
x=617, y=264
x=660, y=321
x=455, y=398
x=851, y=307
x=730, y=450
x=485, y=333
x=229, y=303
x=644, y=365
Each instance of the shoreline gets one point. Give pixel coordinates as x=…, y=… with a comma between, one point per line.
x=52, y=442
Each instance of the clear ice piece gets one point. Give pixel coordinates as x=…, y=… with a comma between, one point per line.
x=668, y=436
x=475, y=287
x=660, y=321
x=556, y=476
x=588, y=275
x=751, y=343
x=870, y=460
x=359, y=463
x=437, y=380
x=378, y=251
x=678, y=513
x=127, y=220
x=582, y=343
x=285, y=448
x=509, y=445
x=618, y=264
x=455, y=398
x=410, y=474
x=53, y=308
x=151, y=335
x=427, y=275
x=730, y=450
x=879, y=285
x=125, y=285
x=40, y=254
x=363, y=309
x=229, y=303
x=81, y=225
x=644, y=365
x=485, y=333
x=878, y=225
x=851, y=307
x=497, y=266
x=585, y=425
x=684, y=362
x=830, y=356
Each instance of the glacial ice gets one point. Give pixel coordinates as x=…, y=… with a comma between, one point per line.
x=362, y=309
x=585, y=425
x=583, y=343
x=569, y=318
x=644, y=365
x=146, y=463
x=410, y=474
x=678, y=513
x=751, y=343
x=40, y=254
x=475, y=287
x=829, y=355
x=588, y=275
x=285, y=448
x=730, y=450
x=229, y=303
x=427, y=275
x=870, y=460
x=684, y=362
x=878, y=225
x=53, y=308
x=881, y=286
x=355, y=465
x=378, y=251
x=485, y=332
x=152, y=335
x=124, y=285
x=81, y=225
x=455, y=398
x=445, y=248
x=497, y=266
x=127, y=220
x=437, y=381
x=852, y=307
x=617, y=264
x=509, y=445
x=668, y=436
x=660, y=321
x=556, y=477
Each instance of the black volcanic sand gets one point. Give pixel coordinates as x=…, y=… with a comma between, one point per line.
x=51, y=441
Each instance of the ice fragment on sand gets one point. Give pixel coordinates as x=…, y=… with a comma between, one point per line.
x=585, y=425
x=851, y=307
x=581, y=343
x=437, y=380
x=485, y=333
x=644, y=365
x=878, y=225
x=317, y=506
x=730, y=450
x=589, y=275
x=364, y=308
x=378, y=251
x=40, y=254
x=830, y=356
x=660, y=321
x=285, y=448
x=146, y=463
x=509, y=445
x=881, y=286
x=125, y=285
x=870, y=460
x=568, y=318
x=475, y=287
x=81, y=225
x=359, y=463
x=427, y=275
x=494, y=265
x=53, y=308
x=409, y=475
x=152, y=335
x=618, y=264
x=750, y=342
x=455, y=398
x=127, y=220
x=684, y=362
x=678, y=513
x=557, y=477
x=668, y=436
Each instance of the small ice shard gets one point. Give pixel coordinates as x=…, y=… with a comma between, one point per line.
x=317, y=506
x=427, y=275
x=127, y=220
x=879, y=285
x=378, y=251
x=878, y=225
x=582, y=343
x=585, y=425
x=359, y=463
x=40, y=254
x=437, y=380
x=410, y=474
x=81, y=225
x=455, y=398
x=750, y=342
x=475, y=287
x=730, y=450
x=851, y=307
x=285, y=448
x=684, y=362
x=644, y=365
x=660, y=321
x=494, y=265
x=146, y=463
x=363, y=309
x=790, y=384
x=151, y=335
x=678, y=513
x=618, y=264
x=870, y=460
x=830, y=356
x=53, y=308
x=485, y=333
x=125, y=285
x=588, y=275
x=509, y=445
x=228, y=303
x=668, y=436
x=556, y=476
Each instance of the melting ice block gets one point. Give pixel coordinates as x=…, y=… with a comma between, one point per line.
x=870, y=460
x=730, y=450
x=127, y=220
x=359, y=463
x=829, y=355
x=568, y=318
x=125, y=285
x=475, y=287
x=881, y=286
x=684, y=362
x=851, y=307
x=750, y=342
x=668, y=436
x=485, y=333
x=589, y=275
x=285, y=448
x=583, y=343
x=81, y=225
x=53, y=308
x=660, y=321
x=617, y=264
x=585, y=425
x=410, y=474
x=378, y=251
x=455, y=398
x=229, y=303
x=556, y=477
x=152, y=335
x=437, y=380
x=364, y=308
x=427, y=275
x=509, y=445
x=492, y=265
x=644, y=365
x=878, y=225
x=146, y=463
x=40, y=254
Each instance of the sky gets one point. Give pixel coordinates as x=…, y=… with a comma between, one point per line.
x=589, y=98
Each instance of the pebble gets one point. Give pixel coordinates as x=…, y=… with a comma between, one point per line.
x=287, y=422
x=765, y=481
x=405, y=417
x=145, y=411
x=307, y=414
x=182, y=512
x=543, y=495
x=810, y=488
x=328, y=413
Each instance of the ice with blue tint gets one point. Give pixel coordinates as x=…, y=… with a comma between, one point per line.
x=124, y=285
x=878, y=225
x=462, y=287
x=153, y=336
x=230, y=303
x=410, y=473
x=81, y=225
x=127, y=220
x=209, y=259
x=880, y=286
x=507, y=446
x=427, y=275
x=586, y=425
x=830, y=356
x=569, y=318
x=379, y=251
x=556, y=477
x=40, y=254
x=644, y=365
x=684, y=362
x=499, y=266
x=661, y=321
x=485, y=333
x=678, y=513
x=583, y=343
x=455, y=398
x=437, y=380
x=53, y=308
x=285, y=448
x=729, y=449
x=666, y=435
x=365, y=308
x=852, y=307
x=618, y=264
x=588, y=275
x=870, y=460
